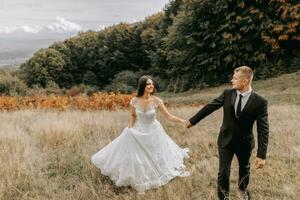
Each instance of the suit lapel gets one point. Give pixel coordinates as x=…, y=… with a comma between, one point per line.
x=233, y=97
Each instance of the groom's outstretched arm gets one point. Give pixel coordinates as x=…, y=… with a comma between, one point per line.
x=207, y=109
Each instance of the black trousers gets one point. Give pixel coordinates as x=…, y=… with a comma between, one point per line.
x=225, y=158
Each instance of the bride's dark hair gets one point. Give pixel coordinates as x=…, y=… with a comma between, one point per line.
x=142, y=84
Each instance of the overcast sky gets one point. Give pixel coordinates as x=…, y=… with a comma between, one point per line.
x=40, y=16
x=28, y=25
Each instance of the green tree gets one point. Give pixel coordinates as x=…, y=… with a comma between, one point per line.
x=44, y=66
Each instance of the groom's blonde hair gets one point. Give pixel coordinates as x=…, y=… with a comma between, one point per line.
x=245, y=71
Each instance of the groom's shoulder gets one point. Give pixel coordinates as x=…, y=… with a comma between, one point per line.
x=228, y=91
x=260, y=97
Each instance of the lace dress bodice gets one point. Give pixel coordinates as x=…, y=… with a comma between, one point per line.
x=145, y=118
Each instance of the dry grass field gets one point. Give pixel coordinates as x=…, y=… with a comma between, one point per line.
x=46, y=154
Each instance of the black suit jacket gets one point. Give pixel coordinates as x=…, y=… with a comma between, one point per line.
x=239, y=130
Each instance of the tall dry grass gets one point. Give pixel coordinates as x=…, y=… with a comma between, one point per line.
x=46, y=155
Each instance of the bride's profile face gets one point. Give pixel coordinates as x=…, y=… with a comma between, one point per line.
x=149, y=86
x=145, y=85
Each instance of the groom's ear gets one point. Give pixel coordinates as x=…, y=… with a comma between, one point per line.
x=245, y=81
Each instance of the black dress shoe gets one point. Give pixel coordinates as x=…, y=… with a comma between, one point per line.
x=223, y=196
x=245, y=195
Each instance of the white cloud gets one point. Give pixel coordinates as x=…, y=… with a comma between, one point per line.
x=133, y=20
x=24, y=28
x=100, y=27
x=61, y=25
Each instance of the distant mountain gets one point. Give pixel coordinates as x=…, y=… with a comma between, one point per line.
x=17, y=48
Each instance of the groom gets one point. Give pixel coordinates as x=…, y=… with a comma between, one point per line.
x=241, y=108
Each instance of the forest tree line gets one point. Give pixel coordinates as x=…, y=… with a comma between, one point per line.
x=190, y=44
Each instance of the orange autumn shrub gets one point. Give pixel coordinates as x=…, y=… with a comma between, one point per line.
x=98, y=101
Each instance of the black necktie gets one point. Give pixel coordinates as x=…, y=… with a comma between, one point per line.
x=239, y=106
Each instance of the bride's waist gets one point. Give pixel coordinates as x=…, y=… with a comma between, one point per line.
x=145, y=125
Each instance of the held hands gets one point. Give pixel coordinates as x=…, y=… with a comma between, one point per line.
x=182, y=122
x=259, y=163
x=187, y=124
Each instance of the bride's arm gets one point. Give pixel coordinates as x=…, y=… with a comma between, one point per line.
x=132, y=116
x=168, y=115
x=132, y=105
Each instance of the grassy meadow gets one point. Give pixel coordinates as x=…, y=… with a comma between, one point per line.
x=46, y=154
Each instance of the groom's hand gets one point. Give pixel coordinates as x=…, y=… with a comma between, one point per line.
x=188, y=124
x=259, y=163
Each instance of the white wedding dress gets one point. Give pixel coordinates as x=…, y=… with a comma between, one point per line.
x=143, y=156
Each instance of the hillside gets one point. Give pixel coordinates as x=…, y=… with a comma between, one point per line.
x=284, y=89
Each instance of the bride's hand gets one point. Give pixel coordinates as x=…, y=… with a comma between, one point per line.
x=187, y=124
x=183, y=122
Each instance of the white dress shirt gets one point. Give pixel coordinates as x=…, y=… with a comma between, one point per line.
x=245, y=98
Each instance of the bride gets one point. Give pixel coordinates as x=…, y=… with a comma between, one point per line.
x=143, y=156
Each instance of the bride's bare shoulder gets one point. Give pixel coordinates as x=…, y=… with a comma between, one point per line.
x=157, y=99
x=133, y=101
